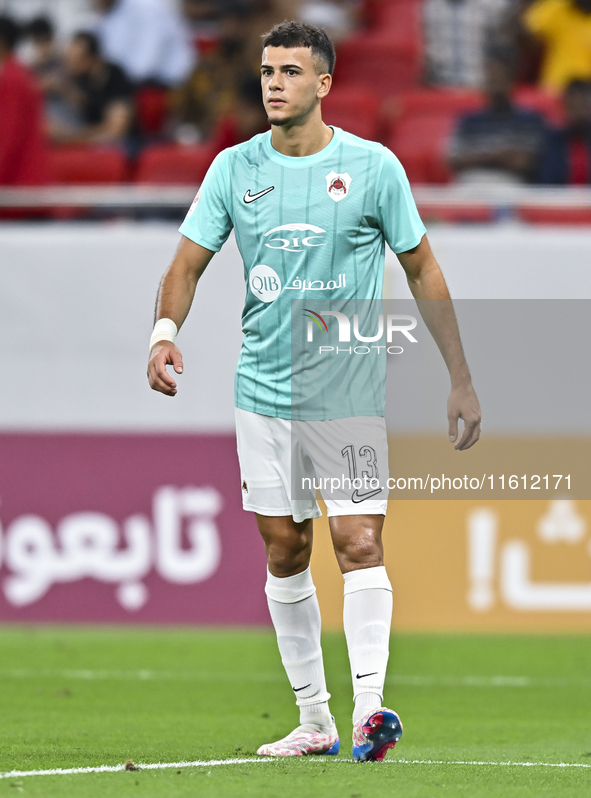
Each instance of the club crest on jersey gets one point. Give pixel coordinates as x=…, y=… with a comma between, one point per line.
x=338, y=186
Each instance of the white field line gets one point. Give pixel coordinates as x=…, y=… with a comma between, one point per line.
x=14, y=774
x=490, y=764
x=400, y=679
x=17, y=774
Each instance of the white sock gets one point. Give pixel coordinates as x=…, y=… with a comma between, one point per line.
x=296, y=617
x=367, y=617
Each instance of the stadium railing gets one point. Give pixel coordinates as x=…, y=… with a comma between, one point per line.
x=451, y=203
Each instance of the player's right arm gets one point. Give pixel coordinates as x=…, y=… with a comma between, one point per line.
x=175, y=296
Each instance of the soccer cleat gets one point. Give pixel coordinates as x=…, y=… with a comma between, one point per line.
x=374, y=734
x=304, y=740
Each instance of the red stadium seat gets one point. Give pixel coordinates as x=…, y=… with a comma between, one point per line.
x=456, y=213
x=152, y=109
x=87, y=165
x=439, y=100
x=384, y=65
x=355, y=110
x=555, y=215
x=170, y=163
x=381, y=15
x=549, y=105
x=429, y=101
x=420, y=142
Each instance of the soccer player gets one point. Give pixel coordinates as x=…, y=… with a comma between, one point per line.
x=336, y=200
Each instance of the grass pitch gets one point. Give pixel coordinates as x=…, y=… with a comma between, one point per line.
x=78, y=698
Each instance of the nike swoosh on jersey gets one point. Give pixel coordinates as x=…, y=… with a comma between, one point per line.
x=361, y=497
x=248, y=197
x=363, y=675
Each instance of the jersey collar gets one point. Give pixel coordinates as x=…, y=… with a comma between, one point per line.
x=305, y=160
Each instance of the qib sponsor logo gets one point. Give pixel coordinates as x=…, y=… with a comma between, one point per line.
x=264, y=283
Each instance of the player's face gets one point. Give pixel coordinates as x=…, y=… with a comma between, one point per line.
x=291, y=84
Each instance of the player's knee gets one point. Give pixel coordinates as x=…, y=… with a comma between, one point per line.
x=287, y=561
x=364, y=552
x=288, y=554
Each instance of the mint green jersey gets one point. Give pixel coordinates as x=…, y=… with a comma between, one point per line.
x=312, y=227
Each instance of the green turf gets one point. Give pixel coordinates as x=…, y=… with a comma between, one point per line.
x=219, y=694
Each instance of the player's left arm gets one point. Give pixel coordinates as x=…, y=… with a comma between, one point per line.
x=431, y=293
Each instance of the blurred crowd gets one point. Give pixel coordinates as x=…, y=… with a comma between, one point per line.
x=508, y=80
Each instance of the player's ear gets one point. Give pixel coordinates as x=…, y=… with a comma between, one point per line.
x=324, y=84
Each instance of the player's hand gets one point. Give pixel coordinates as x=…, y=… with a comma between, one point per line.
x=162, y=354
x=463, y=403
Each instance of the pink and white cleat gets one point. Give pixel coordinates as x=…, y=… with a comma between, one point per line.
x=303, y=741
x=374, y=734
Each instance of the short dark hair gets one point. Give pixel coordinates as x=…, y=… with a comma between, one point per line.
x=298, y=34
x=91, y=42
x=9, y=32
x=40, y=28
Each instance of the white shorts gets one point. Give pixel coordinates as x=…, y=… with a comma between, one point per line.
x=283, y=463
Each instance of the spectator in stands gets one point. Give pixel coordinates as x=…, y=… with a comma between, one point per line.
x=501, y=143
x=99, y=91
x=47, y=64
x=564, y=26
x=335, y=16
x=211, y=91
x=203, y=20
x=457, y=34
x=246, y=118
x=147, y=39
x=44, y=58
x=23, y=155
x=567, y=155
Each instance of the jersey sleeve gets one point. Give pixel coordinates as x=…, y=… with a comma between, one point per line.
x=208, y=221
x=396, y=211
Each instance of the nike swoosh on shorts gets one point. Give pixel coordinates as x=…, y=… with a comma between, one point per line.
x=357, y=497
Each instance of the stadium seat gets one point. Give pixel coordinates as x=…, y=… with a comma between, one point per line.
x=420, y=142
x=429, y=101
x=456, y=214
x=91, y=165
x=439, y=101
x=380, y=64
x=555, y=215
x=353, y=109
x=152, y=109
x=171, y=163
x=549, y=105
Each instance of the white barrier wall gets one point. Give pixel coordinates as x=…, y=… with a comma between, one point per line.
x=77, y=302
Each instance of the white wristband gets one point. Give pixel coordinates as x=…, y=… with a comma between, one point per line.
x=164, y=330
